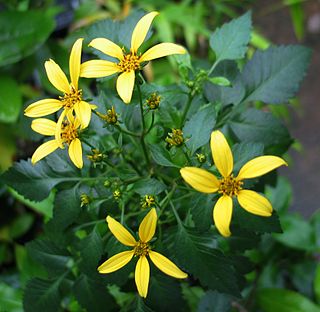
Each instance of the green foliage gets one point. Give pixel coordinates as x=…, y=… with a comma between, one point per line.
x=10, y=299
x=213, y=301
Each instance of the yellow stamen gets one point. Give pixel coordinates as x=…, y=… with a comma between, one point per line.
x=230, y=186
x=68, y=132
x=141, y=249
x=129, y=62
x=72, y=98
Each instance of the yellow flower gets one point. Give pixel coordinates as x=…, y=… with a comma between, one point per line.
x=72, y=95
x=141, y=249
x=129, y=62
x=229, y=186
x=65, y=134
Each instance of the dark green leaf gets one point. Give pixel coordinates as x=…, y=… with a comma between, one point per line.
x=230, y=41
x=42, y=295
x=198, y=129
x=273, y=76
x=10, y=100
x=21, y=225
x=284, y=300
x=21, y=34
x=161, y=156
x=213, y=301
x=149, y=186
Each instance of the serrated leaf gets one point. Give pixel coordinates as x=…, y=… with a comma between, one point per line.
x=213, y=301
x=196, y=254
x=230, y=41
x=149, y=186
x=10, y=101
x=161, y=156
x=274, y=75
x=42, y=295
x=21, y=34
x=284, y=300
x=93, y=296
x=198, y=129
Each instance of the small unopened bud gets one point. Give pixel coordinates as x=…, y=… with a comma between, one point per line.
x=107, y=183
x=96, y=156
x=201, y=158
x=175, y=138
x=85, y=200
x=111, y=117
x=153, y=101
x=147, y=201
x=116, y=194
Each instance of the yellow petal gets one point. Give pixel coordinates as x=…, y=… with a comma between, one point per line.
x=75, y=62
x=107, y=47
x=43, y=108
x=75, y=153
x=98, y=69
x=44, y=150
x=222, y=213
x=44, y=126
x=83, y=112
x=142, y=275
x=254, y=203
x=200, y=179
x=120, y=232
x=260, y=166
x=56, y=76
x=116, y=262
x=221, y=153
x=162, y=49
x=166, y=265
x=148, y=225
x=125, y=84
x=58, y=128
x=141, y=30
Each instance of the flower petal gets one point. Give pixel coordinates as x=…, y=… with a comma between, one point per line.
x=162, y=49
x=255, y=203
x=140, y=31
x=83, y=112
x=120, y=232
x=221, y=153
x=56, y=76
x=98, y=69
x=125, y=84
x=75, y=62
x=148, y=225
x=260, y=166
x=59, y=128
x=44, y=150
x=166, y=265
x=43, y=108
x=44, y=126
x=116, y=262
x=142, y=275
x=200, y=179
x=222, y=213
x=75, y=153
x=108, y=47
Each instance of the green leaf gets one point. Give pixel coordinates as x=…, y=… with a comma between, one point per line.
x=316, y=284
x=10, y=299
x=198, y=129
x=22, y=33
x=149, y=187
x=21, y=225
x=284, y=300
x=42, y=295
x=261, y=127
x=36, y=182
x=298, y=18
x=197, y=256
x=93, y=296
x=10, y=100
x=274, y=75
x=230, y=41
x=161, y=156
x=220, y=81
x=213, y=301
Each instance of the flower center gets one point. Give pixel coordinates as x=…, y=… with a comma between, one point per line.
x=141, y=249
x=68, y=132
x=129, y=62
x=71, y=98
x=230, y=186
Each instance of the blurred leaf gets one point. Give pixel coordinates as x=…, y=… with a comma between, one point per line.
x=42, y=295
x=21, y=225
x=149, y=186
x=10, y=100
x=10, y=298
x=283, y=300
x=220, y=81
x=22, y=33
x=274, y=75
x=161, y=156
x=298, y=18
x=197, y=130
x=7, y=147
x=213, y=301
x=230, y=41
x=259, y=41
x=316, y=283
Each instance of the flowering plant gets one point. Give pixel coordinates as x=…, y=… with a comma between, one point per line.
x=139, y=157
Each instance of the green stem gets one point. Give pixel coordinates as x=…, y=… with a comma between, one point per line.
x=186, y=154
x=152, y=122
x=127, y=131
x=122, y=212
x=86, y=142
x=186, y=109
x=213, y=67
